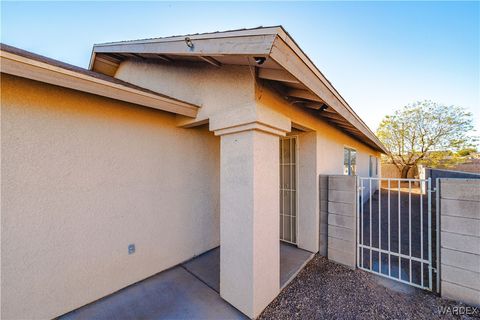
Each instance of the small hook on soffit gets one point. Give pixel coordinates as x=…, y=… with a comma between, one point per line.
x=189, y=42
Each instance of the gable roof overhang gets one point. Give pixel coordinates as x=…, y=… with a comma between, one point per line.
x=28, y=65
x=286, y=66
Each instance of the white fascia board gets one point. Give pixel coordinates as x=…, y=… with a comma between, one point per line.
x=204, y=36
x=247, y=45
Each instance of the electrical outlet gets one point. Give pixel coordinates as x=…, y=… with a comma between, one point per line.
x=131, y=248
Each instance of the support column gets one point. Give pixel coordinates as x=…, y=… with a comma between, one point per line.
x=249, y=207
x=308, y=203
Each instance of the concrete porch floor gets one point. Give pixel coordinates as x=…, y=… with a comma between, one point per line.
x=187, y=291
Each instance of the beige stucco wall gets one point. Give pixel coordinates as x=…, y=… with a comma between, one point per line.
x=215, y=89
x=229, y=87
x=327, y=160
x=233, y=87
x=83, y=177
x=330, y=140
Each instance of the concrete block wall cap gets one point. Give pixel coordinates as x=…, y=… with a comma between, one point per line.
x=247, y=115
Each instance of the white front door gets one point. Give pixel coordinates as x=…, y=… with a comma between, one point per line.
x=288, y=189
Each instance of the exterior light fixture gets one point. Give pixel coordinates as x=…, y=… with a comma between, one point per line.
x=260, y=60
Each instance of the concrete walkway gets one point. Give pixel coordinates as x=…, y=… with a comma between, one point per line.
x=172, y=294
x=188, y=291
x=292, y=260
x=206, y=267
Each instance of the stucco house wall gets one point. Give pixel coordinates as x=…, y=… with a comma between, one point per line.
x=101, y=174
x=82, y=178
x=321, y=145
x=216, y=89
x=321, y=148
x=330, y=140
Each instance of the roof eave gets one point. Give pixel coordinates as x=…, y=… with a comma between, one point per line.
x=307, y=74
x=271, y=30
x=273, y=42
x=24, y=67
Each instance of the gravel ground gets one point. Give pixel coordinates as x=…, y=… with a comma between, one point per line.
x=326, y=290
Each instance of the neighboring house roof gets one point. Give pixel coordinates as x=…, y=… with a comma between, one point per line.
x=279, y=61
x=32, y=66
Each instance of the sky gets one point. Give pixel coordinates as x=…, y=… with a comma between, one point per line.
x=380, y=56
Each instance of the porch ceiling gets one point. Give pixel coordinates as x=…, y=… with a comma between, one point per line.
x=275, y=55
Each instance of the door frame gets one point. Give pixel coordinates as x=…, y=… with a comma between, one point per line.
x=297, y=161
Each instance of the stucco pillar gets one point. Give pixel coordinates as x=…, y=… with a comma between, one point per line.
x=249, y=207
x=308, y=202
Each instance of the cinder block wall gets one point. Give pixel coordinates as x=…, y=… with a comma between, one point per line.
x=341, y=205
x=460, y=239
x=323, y=193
